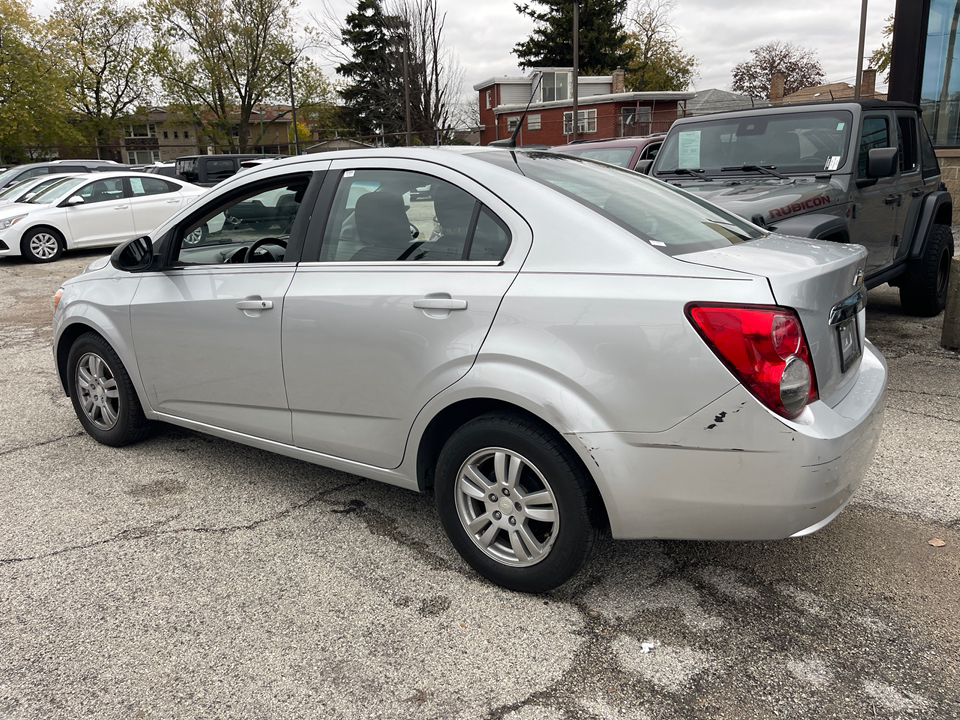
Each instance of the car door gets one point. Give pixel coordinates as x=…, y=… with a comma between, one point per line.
x=874, y=224
x=207, y=327
x=910, y=186
x=153, y=200
x=395, y=304
x=103, y=218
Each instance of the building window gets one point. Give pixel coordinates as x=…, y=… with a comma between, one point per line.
x=586, y=122
x=186, y=134
x=555, y=86
x=176, y=134
x=143, y=157
x=533, y=122
x=165, y=136
x=489, y=99
x=512, y=123
x=137, y=131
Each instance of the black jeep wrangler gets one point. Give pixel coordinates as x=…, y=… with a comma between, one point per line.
x=861, y=172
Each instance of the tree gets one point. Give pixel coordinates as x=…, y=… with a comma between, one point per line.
x=602, y=39
x=880, y=59
x=218, y=59
x=33, y=112
x=799, y=66
x=104, y=49
x=658, y=61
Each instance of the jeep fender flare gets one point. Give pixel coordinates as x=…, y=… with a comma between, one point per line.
x=937, y=209
x=815, y=226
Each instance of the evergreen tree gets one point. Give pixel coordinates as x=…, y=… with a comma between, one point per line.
x=602, y=36
x=373, y=95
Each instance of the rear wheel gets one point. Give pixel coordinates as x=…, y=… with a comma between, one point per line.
x=42, y=245
x=515, y=502
x=923, y=288
x=103, y=396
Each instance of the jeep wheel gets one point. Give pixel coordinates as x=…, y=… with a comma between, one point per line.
x=923, y=288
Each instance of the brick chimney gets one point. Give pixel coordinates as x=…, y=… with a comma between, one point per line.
x=618, y=81
x=776, y=89
x=868, y=85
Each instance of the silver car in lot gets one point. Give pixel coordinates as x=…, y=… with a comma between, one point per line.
x=554, y=347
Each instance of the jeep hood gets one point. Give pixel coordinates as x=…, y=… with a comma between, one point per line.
x=813, y=278
x=771, y=198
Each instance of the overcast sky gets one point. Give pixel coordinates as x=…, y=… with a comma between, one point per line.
x=720, y=33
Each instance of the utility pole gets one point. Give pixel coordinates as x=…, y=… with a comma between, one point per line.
x=293, y=107
x=406, y=87
x=576, y=66
x=863, y=32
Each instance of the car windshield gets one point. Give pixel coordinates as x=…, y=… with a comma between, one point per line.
x=803, y=142
x=615, y=156
x=669, y=219
x=13, y=189
x=58, y=191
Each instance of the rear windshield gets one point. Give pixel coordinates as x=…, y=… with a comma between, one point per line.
x=615, y=156
x=804, y=142
x=669, y=219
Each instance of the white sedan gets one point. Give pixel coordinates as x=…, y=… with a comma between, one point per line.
x=90, y=211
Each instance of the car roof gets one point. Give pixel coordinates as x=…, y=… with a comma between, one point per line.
x=806, y=107
x=626, y=142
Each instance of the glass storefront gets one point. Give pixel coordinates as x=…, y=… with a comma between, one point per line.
x=940, y=89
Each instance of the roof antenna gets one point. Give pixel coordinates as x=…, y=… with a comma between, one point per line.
x=512, y=141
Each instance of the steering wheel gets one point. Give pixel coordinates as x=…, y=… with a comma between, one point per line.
x=266, y=255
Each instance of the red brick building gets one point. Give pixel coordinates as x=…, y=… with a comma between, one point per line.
x=604, y=109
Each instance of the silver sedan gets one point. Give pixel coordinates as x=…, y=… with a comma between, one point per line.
x=553, y=347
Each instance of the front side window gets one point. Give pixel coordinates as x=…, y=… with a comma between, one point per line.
x=250, y=228
x=102, y=191
x=907, y=137
x=875, y=134
x=396, y=215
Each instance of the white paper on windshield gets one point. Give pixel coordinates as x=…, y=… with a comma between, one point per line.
x=833, y=162
x=688, y=149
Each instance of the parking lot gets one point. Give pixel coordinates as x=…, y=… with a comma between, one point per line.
x=190, y=577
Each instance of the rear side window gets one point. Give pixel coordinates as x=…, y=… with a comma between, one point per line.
x=220, y=169
x=931, y=168
x=149, y=186
x=875, y=134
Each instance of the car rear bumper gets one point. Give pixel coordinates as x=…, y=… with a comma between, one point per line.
x=736, y=471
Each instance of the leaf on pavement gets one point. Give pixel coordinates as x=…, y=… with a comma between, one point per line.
x=936, y=542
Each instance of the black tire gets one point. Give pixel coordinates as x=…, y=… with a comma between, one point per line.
x=42, y=245
x=197, y=237
x=923, y=288
x=536, y=553
x=103, y=396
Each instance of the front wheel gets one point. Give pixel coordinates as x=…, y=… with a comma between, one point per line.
x=42, y=245
x=103, y=395
x=923, y=289
x=515, y=502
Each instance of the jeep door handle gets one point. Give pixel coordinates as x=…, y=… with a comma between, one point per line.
x=916, y=192
x=891, y=199
x=440, y=304
x=255, y=305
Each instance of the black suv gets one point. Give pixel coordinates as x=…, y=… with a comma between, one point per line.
x=208, y=170
x=861, y=172
x=57, y=167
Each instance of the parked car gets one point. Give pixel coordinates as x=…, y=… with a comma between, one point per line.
x=167, y=169
x=22, y=191
x=89, y=211
x=208, y=170
x=862, y=172
x=625, y=152
x=54, y=167
x=575, y=347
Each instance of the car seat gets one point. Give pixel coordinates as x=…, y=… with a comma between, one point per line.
x=382, y=227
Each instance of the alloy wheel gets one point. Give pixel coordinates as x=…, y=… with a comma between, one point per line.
x=44, y=245
x=97, y=391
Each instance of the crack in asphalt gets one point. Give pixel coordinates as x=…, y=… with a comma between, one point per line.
x=927, y=415
x=153, y=530
x=41, y=443
x=922, y=392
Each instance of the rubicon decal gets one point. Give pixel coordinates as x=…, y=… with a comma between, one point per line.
x=796, y=207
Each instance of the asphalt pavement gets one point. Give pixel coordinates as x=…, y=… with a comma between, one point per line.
x=190, y=577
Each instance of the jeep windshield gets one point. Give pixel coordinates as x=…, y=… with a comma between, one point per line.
x=788, y=143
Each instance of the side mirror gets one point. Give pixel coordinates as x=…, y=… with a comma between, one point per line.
x=643, y=166
x=75, y=200
x=134, y=255
x=881, y=162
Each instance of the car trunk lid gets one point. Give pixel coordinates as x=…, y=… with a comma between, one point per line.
x=823, y=282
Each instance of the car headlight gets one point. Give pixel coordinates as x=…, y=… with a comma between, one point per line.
x=7, y=222
x=55, y=300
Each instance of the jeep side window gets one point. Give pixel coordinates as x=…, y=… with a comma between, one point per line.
x=875, y=135
x=931, y=168
x=907, y=137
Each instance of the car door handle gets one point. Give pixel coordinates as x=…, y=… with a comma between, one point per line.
x=891, y=199
x=121, y=207
x=440, y=304
x=916, y=192
x=255, y=305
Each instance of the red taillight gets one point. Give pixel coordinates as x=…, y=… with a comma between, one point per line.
x=765, y=348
